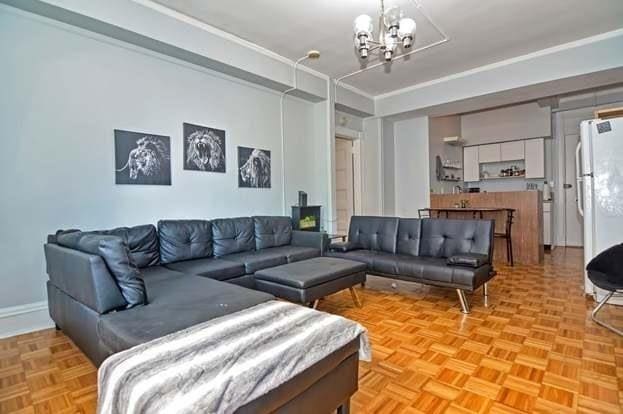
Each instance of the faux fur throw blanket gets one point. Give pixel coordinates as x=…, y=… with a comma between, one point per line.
x=222, y=364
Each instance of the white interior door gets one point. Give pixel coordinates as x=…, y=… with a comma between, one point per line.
x=574, y=231
x=344, y=184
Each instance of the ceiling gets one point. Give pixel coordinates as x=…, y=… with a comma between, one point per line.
x=480, y=31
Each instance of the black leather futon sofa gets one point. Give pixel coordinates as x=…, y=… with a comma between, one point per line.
x=440, y=252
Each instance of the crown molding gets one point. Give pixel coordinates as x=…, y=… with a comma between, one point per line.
x=502, y=63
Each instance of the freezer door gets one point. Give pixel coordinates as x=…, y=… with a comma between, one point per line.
x=602, y=174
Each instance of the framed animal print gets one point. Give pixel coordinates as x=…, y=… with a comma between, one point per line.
x=142, y=158
x=204, y=148
x=253, y=168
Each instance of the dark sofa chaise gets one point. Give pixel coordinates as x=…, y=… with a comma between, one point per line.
x=193, y=271
x=439, y=252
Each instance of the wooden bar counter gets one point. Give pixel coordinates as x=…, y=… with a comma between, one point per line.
x=527, y=230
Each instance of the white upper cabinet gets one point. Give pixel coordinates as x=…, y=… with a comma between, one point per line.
x=512, y=151
x=489, y=153
x=471, y=169
x=535, y=158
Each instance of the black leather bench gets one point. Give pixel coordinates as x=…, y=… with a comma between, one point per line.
x=310, y=280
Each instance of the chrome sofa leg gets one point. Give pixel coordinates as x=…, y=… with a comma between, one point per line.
x=604, y=324
x=463, y=300
x=485, y=289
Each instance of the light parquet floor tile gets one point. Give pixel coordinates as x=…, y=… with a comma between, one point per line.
x=531, y=347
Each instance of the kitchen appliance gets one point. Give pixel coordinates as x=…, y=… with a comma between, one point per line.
x=599, y=172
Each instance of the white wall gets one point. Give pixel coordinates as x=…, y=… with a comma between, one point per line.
x=412, y=170
x=507, y=124
x=63, y=93
x=389, y=169
x=371, y=167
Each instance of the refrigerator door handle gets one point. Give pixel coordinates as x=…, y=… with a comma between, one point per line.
x=579, y=179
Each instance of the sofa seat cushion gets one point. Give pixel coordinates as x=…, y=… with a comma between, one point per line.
x=398, y=264
x=311, y=272
x=361, y=255
x=295, y=253
x=435, y=271
x=177, y=302
x=257, y=260
x=213, y=268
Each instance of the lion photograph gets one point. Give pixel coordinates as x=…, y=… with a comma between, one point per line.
x=253, y=168
x=142, y=158
x=204, y=148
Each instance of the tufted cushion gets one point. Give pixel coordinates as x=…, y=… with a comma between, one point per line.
x=445, y=238
x=409, y=233
x=184, y=240
x=233, y=235
x=142, y=241
x=272, y=231
x=374, y=233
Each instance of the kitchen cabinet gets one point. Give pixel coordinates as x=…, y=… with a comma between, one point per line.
x=512, y=151
x=489, y=153
x=535, y=158
x=471, y=168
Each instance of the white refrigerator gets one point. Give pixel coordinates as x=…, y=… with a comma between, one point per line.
x=599, y=167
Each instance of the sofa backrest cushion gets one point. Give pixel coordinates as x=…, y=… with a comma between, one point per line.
x=142, y=241
x=233, y=235
x=446, y=237
x=409, y=234
x=272, y=231
x=184, y=240
x=374, y=232
x=116, y=254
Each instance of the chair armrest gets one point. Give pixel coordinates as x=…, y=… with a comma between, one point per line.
x=343, y=247
x=314, y=239
x=468, y=260
x=84, y=277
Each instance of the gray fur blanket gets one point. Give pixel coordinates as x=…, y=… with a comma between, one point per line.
x=220, y=365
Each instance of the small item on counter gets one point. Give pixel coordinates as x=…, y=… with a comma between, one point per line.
x=547, y=191
x=464, y=203
x=457, y=205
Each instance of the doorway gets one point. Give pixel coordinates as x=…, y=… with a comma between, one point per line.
x=347, y=189
x=574, y=228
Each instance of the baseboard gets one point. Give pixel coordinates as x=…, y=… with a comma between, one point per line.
x=17, y=320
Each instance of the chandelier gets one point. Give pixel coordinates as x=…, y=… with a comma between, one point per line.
x=394, y=29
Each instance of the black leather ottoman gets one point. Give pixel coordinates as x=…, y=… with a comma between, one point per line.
x=309, y=280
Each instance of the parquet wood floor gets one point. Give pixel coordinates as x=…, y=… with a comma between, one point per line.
x=533, y=348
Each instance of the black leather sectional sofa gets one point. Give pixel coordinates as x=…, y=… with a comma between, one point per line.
x=440, y=252
x=193, y=271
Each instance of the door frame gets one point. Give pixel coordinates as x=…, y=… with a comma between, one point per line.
x=355, y=137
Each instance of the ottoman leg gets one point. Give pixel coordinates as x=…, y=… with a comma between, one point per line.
x=315, y=303
x=356, y=299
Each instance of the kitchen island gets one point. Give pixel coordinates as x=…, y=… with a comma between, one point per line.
x=527, y=228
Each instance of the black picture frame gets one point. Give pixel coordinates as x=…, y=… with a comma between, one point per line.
x=254, y=168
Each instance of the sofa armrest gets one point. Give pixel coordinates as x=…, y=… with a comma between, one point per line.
x=468, y=260
x=84, y=277
x=343, y=247
x=314, y=239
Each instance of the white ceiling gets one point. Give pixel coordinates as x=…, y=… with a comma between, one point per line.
x=481, y=31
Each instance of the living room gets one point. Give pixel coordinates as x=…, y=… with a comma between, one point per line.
x=197, y=129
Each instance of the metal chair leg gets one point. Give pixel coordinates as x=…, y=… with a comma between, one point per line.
x=604, y=324
x=463, y=301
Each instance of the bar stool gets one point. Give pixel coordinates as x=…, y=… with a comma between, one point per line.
x=508, y=236
x=606, y=272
